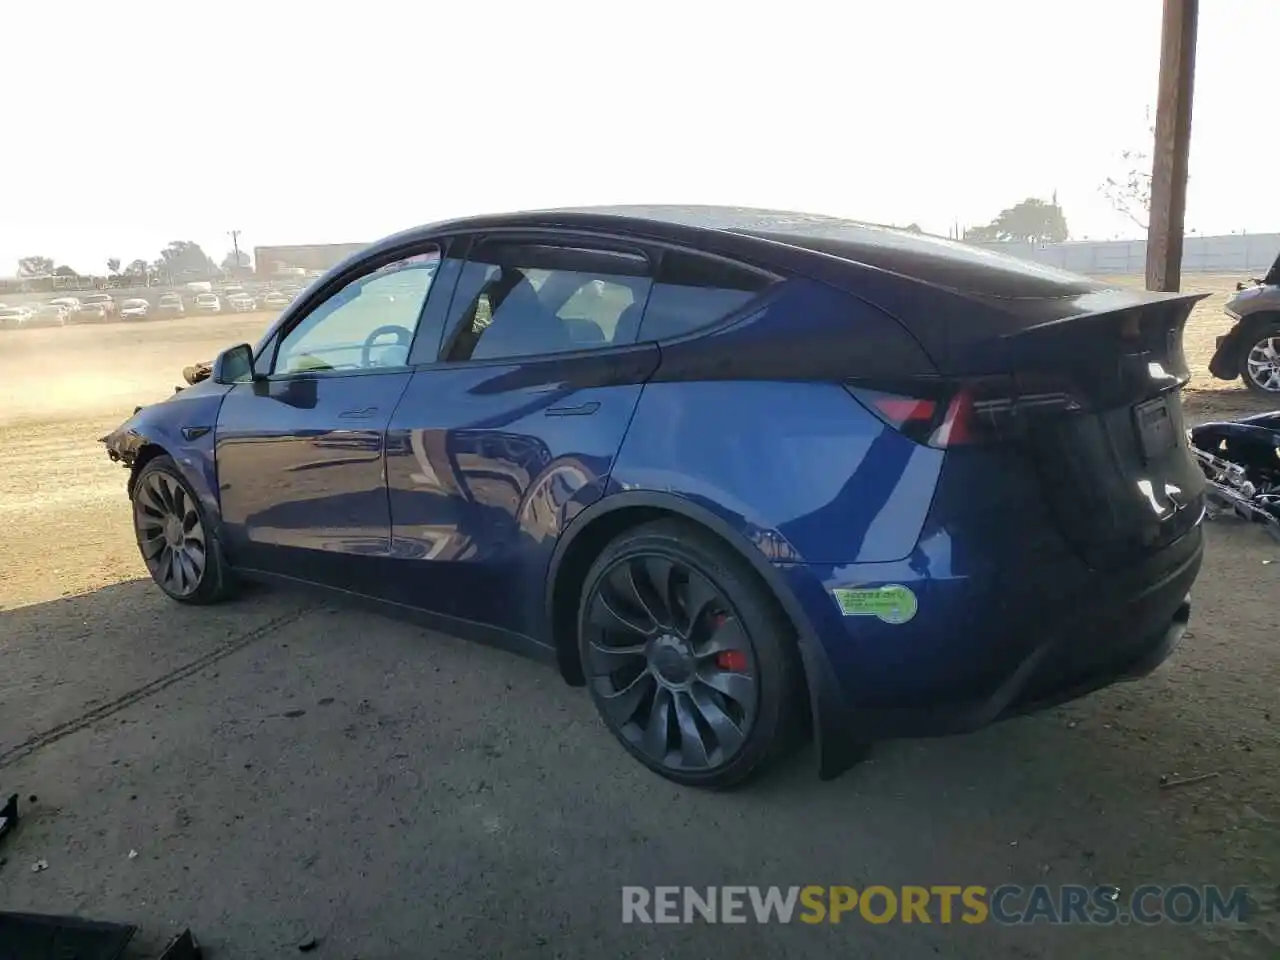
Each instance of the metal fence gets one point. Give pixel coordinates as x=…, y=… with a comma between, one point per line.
x=1245, y=253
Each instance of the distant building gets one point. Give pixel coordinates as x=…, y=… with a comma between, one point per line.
x=298, y=260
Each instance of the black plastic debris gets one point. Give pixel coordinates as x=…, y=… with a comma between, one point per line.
x=35, y=936
x=8, y=815
x=182, y=947
x=308, y=944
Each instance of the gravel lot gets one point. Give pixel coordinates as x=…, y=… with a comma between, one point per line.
x=285, y=769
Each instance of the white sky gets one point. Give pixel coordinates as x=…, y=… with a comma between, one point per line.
x=306, y=122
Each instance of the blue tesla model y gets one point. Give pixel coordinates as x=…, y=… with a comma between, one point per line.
x=747, y=476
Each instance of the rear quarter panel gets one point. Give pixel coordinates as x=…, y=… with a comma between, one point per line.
x=752, y=421
x=801, y=469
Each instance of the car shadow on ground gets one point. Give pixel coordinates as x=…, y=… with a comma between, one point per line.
x=273, y=740
x=75, y=659
x=1202, y=404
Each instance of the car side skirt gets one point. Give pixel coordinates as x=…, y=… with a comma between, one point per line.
x=465, y=629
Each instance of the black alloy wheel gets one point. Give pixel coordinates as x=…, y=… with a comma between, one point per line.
x=181, y=554
x=688, y=662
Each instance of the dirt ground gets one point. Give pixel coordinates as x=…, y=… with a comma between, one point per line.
x=284, y=769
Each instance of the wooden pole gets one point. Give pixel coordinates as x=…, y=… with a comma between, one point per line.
x=1172, y=145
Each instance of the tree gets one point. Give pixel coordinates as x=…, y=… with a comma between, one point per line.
x=1129, y=192
x=64, y=271
x=231, y=262
x=1031, y=221
x=35, y=266
x=184, y=257
x=137, y=269
x=113, y=265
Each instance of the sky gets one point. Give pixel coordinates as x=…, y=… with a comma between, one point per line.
x=300, y=122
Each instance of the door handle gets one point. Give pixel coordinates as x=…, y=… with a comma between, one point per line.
x=363, y=414
x=579, y=410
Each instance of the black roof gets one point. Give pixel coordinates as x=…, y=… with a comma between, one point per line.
x=921, y=257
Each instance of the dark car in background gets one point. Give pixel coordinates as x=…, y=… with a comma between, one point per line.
x=742, y=474
x=1250, y=350
x=104, y=300
x=90, y=312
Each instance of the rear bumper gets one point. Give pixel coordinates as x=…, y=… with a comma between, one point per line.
x=1120, y=627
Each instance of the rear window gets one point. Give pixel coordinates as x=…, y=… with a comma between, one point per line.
x=693, y=291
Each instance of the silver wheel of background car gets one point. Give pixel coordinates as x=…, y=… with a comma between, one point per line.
x=171, y=535
x=1262, y=364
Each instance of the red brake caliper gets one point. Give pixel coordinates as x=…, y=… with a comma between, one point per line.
x=735, y=661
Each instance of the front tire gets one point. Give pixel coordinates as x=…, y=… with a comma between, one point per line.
x=690, y=662
x=1260, y=360
x=176, y=540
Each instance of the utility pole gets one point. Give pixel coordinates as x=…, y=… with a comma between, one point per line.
x=1172, y=144
x=235, y=244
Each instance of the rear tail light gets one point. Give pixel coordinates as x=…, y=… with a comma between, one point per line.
x=945, y=413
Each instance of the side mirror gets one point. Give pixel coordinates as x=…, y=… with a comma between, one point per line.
x=234, y=365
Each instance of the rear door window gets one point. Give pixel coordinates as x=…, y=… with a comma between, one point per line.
x=522, y=299
x=693, y=291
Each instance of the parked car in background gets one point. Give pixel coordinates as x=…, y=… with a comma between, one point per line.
x=208, y=303
x=11, y=318
x=275, y=300
x=170, y=303
x=241, y=303
x=107, y=302
x=70, y=304
x=1250, y=350
x=134, y=308
x=89, y=312
x=49, y=315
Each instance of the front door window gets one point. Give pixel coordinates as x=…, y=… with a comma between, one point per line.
x=368, y=324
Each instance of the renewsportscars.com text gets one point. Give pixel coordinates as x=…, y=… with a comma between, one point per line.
x=1007, y=904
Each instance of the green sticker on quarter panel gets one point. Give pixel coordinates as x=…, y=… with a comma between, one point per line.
x=892, y=603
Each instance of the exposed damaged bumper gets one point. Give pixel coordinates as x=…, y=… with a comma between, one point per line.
x=122, y=444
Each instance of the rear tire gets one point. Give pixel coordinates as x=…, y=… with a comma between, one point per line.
x=1259, y=361
x=689, y=660
x=178, y=544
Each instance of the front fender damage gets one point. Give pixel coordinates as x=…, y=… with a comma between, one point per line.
x=123, y=444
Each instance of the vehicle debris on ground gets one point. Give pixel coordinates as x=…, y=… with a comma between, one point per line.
x=8, y=815
x=1241, y=462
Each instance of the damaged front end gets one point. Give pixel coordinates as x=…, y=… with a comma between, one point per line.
x=124, y=442
x=146, y=425
x=1241, y=462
